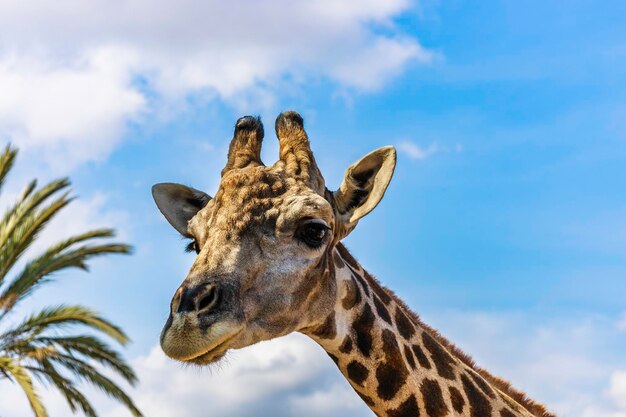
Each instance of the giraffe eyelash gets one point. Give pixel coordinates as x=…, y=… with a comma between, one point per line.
x=192, y=247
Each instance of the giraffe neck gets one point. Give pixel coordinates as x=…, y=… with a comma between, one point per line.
x=401, y=367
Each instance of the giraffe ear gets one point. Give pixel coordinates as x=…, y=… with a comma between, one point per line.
x=364, y=185
x=179, y=204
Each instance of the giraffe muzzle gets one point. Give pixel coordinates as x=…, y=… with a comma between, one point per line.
x=200, y=298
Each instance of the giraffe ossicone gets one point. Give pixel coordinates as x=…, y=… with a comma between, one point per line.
x=270, y=262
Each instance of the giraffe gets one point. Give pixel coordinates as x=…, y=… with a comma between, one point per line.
x=269, y=261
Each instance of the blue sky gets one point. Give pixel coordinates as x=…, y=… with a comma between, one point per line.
x=504, y=225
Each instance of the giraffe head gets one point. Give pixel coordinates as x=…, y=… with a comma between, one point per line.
x=263, y=267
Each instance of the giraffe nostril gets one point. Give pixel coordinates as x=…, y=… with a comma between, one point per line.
x=199, y=298
x=208, y=300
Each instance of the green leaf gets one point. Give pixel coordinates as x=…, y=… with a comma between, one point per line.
x=60, y=256
x=19, y=375
x=7, y=158
x=39, y=345
x=55, y=318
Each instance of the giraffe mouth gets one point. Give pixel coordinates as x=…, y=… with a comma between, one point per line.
x=215, y=353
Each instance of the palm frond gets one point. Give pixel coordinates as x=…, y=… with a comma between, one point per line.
x=88, y=373
x=23, y=226
x=55, y=318
x=93, y=348
x=7, y=158
x=19, y=375
x=36, y=347
x=60, y=256
x=74, y=398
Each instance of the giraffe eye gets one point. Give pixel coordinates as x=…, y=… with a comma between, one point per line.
x=313, y=233
x=193, y=246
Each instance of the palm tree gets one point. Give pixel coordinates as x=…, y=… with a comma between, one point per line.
x=40, y=346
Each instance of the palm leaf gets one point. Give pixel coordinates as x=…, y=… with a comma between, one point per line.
x=91, y=375
x=23, y=228
x=55, y=318
x=19, y=375
x=75, y=399
x=60, y=256
x=92, y=348
x=7, y=158
x=36, y=346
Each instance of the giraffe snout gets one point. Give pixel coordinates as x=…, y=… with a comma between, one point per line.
x=200, y=298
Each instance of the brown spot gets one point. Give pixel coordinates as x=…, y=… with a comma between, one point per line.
x=364, y=285
x=479, y=404
x=441, y=358
x=357, y=372
x=346, y=345
x=382, y=310
x=353, y=295
x=367, y=400
x=347, y=256
x=506, y=413
x=338, y=262
x=363, y=330
x=482, y=384
x=433, y=399
x=457, y=400
x=409, y=357
x=404, y=325
x=328, y=330
x=377, y=288
x=407, y=409
x=421, y=356
x=391, y=374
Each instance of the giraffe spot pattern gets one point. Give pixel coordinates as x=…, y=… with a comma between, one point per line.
x=404, y=325
x=328, y=330
x=364, y=286
x=346, y=345
x=441, y=358
x=409, y=357
x=392, y=373
x=357, y=372
x=334, y=358
x=382, y=310
x=515, y=406
x=433, y=399
x=362, y=327
x=478, y=403
x=353, y=295
x=482, y=384
x=506, y=413
x=407, y=409
x=338, y=261
x=367, y=400
x=375, y=286
x=347, y=256
x=457, y=400
x=421, y=356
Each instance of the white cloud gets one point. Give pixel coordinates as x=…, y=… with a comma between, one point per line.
x=565, y=362
x=290, y=376
x=74, y=74
x=278, y=378
x=621, y=322
x=617, y=389
x=74, y=113
x=557, y=361
x=417, y=152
